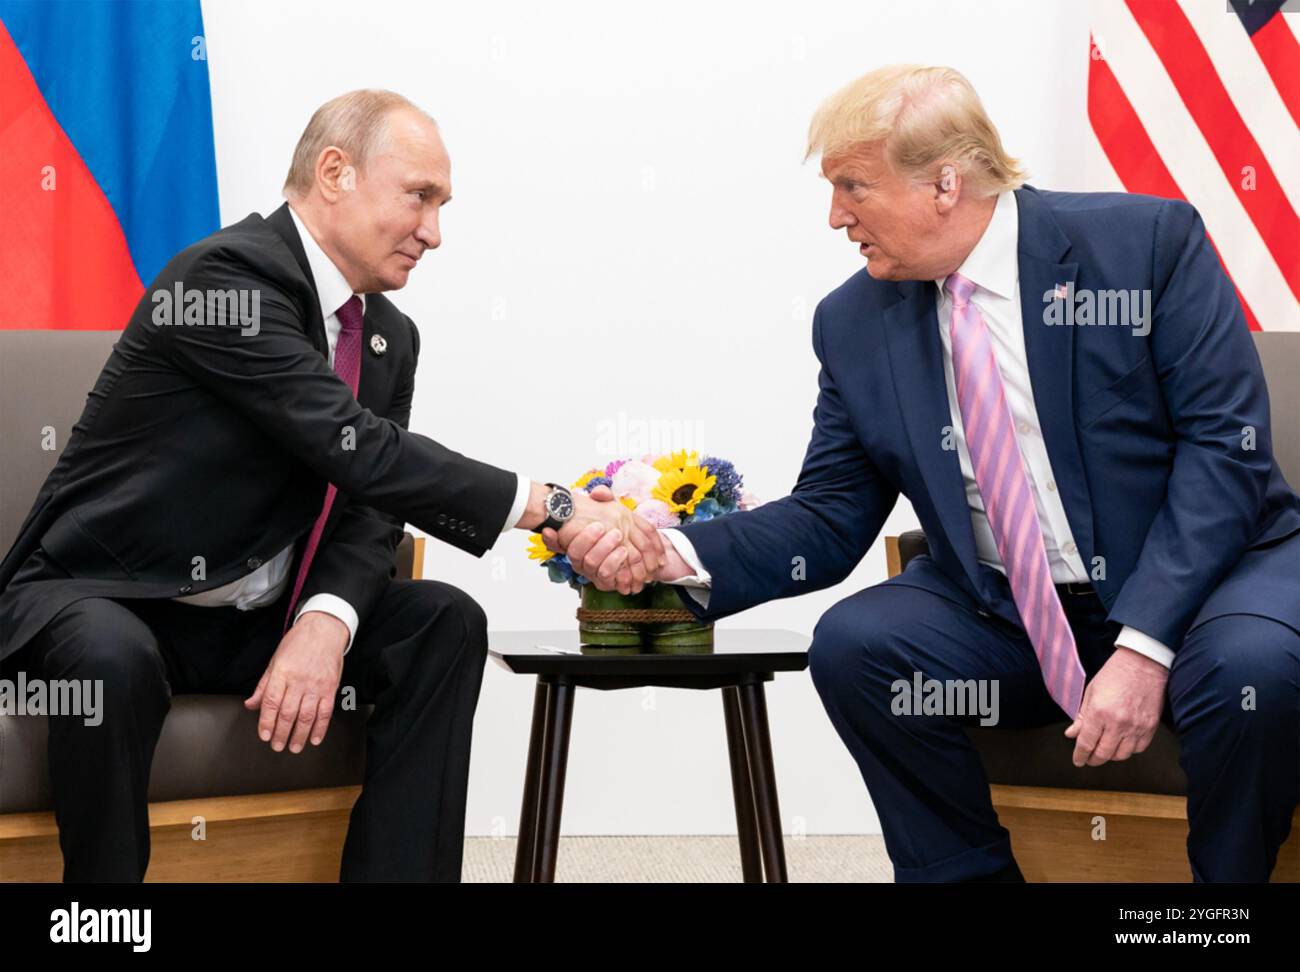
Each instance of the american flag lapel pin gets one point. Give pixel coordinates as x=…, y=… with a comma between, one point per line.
x=1062, y=291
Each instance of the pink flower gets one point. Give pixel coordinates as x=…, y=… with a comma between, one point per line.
x=613, y=467
x=748, y=501
x=658, y=513
x=635, y=479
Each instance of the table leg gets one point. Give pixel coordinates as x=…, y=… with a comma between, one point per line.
x=742, y=788
x=525, y=848
x=555, y=758
x=758, y=742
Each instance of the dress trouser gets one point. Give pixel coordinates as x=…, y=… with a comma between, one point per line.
x=418, y=657
x=1233, y=697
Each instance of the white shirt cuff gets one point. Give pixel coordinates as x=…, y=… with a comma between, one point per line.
x=335, y=606
x=1144, y=644
x=698, y=583
x=522, y=490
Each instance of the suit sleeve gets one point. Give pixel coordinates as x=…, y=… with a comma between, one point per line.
x=272, y=374
x=1214, y=390
x=808, y=540
x=357, y=560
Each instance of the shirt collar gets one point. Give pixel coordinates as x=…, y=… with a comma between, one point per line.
x=332, y=287
x=994, y=265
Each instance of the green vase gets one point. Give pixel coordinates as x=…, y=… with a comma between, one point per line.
x=675, y=637
x=611, y=634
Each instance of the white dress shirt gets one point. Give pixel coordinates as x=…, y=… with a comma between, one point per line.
x=994, y=269
x=265, y=585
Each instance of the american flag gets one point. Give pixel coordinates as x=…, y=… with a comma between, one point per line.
x=1200, y=100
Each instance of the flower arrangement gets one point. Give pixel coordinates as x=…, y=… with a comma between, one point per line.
x=667, y=490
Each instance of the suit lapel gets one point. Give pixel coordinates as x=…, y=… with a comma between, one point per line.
x=916, y=359
x=372, y=392
x=1050, y=352
x=282, y=223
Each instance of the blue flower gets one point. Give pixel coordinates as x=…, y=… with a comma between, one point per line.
x=559, y=569
x=562, y=572
x=598, y=481
x=705, y=509
x=729, y=485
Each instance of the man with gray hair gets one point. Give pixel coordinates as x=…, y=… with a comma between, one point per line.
x=1110, y=538
x=225, y=515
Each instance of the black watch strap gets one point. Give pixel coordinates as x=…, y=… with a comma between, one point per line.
x=551, y=521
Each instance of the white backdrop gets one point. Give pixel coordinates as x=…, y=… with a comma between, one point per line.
x=633, y=240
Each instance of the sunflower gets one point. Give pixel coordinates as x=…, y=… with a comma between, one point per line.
x=587, y=477
x=681, y=489
x=628, y=501
x=681, y=459
x=537, y=548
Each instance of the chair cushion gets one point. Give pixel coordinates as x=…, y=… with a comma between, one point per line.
x=1041, y=757
x=209, y=747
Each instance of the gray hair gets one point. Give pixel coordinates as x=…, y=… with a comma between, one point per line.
x=356, y=122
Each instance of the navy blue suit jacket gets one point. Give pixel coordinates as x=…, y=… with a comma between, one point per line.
x=1145, y=433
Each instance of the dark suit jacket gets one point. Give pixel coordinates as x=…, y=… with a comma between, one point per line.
x=203, y=440
x=1144, y=433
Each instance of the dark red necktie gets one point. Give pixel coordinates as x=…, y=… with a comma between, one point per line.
x=347, y=365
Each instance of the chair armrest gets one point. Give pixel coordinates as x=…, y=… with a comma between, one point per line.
x=900, y=550
x=409, y=558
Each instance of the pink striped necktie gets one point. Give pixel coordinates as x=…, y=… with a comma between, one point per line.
x=347, y=365
x=1008, y=500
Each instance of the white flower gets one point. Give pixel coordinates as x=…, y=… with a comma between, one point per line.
x=635, y=479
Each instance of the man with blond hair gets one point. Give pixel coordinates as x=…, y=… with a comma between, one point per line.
x=225, y=515
x=1110, y=540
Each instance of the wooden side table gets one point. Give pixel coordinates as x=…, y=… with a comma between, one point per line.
x=741, y=661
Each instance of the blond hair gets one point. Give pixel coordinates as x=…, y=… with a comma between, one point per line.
x=924, y=116
x=356, y=122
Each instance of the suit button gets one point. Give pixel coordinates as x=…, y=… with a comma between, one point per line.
x=185, y=590
x=254, y=563
x=442, y=519
x=451, y=524
x=469, y=532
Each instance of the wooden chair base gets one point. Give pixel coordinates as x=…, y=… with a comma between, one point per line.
x=298, y=835
x=292, y=836
x=1052, y=835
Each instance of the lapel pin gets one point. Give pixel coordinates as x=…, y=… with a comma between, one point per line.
x=378, y=345
x=1062, y=292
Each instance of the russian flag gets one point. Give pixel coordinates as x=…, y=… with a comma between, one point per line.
x=107, y=166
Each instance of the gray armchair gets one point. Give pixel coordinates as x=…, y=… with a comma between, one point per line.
x=267, y=816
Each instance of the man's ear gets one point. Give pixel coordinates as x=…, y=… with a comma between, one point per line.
x=335, y=173
x=947, y=189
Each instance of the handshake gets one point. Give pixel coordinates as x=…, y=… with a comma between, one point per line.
x=613, y=547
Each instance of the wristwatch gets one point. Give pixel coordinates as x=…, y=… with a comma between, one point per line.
x=558, y=507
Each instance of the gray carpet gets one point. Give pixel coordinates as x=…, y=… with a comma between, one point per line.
x=693, y=860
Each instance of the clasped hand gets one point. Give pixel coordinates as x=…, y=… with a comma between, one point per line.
x=608, y=544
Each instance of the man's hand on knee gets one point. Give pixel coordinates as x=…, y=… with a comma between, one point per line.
x=296, y=693
x=1120, y=710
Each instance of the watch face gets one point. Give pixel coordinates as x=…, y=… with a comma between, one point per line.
x=559, y=505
